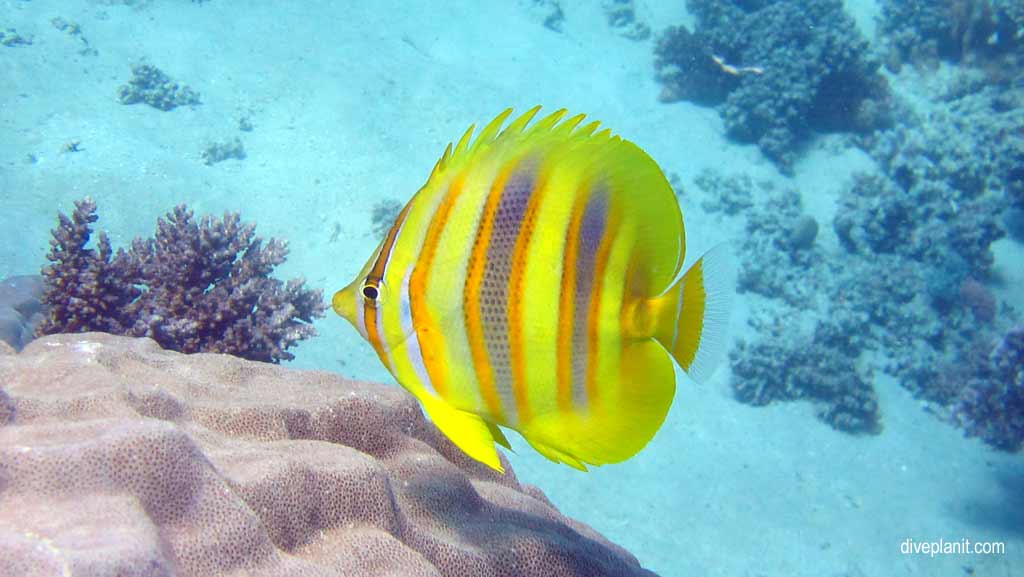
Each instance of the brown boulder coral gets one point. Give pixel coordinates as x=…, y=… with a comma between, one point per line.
x=119, y=458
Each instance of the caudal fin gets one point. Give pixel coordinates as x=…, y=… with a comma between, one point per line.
x=693, y=315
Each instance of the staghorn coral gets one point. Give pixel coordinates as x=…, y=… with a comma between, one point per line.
x=86, y=289
x=197, y=286
x=119, y=458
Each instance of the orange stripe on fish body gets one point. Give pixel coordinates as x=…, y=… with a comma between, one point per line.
x=473, y=307
x=425, y=321
x=533, y=285
x=518, y=299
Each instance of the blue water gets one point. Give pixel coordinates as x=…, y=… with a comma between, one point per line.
x=312, y=118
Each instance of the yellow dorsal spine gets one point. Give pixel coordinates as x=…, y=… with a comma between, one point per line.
x=490, y=131
x=520, y=123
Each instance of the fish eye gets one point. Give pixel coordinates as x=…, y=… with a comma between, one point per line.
x=373, y=291
x=370, y=292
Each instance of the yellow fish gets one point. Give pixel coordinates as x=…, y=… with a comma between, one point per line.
x=533, y=283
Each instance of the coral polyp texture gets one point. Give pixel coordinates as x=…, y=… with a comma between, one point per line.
x=119, y=458
x=777, y=71
x=197, y=286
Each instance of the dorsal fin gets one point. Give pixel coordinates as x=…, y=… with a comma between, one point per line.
x=520, y=123
x=569, y=125
x=491, y=130
x=467, y=145
x=548, y=122
x=589, y=128
x=463, y=144
x=442, y=162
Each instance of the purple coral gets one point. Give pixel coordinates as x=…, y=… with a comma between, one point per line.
x=197, y=286
x=992, y=403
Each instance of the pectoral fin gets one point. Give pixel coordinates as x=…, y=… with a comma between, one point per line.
x=498, y=435
x=469, y=432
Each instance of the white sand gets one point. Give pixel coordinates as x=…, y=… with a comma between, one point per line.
x=353, y=104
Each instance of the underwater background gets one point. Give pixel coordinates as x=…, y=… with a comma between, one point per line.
x=864, y=159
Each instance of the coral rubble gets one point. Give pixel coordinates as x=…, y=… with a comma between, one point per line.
x=119, y=458
x=197, y=286
x=777, y=71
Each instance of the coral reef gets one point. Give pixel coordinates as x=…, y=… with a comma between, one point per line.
x=21, y=309
x=221, y=151
x=923, y=31
x=922, y=229
x=783, y=360
x=151, y=86
x=821, y=367
x=911, y=278
x=785, y=68
x=687, y=70
x=991, y=405
x=969, y=147
x=118, y=458
x=926, y=223
x=909, y=282
x=730, y=194
x=778, y=255
x=197, y=286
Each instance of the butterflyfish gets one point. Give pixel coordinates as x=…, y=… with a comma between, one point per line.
x=534, y=283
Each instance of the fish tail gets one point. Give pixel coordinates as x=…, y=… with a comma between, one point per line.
x=691, y=318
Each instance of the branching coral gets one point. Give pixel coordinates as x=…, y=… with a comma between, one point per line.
x=197, y=286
